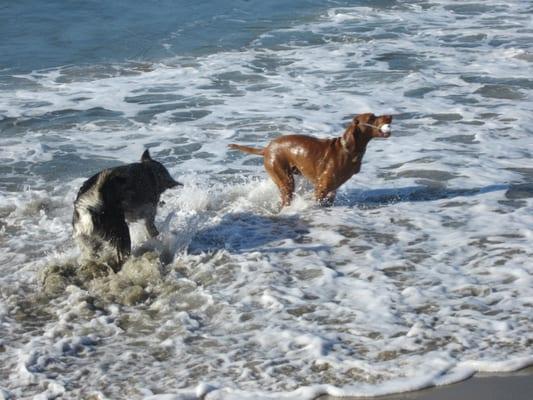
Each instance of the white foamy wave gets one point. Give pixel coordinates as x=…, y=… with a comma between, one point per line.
x=420, y=274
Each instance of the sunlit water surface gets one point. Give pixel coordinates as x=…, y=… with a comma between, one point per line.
x=419, y=275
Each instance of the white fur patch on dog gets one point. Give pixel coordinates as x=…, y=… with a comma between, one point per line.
x=84, y=225
x=90, y=200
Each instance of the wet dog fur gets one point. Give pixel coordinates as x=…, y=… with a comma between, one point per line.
x=326, y=163
x=107, y=201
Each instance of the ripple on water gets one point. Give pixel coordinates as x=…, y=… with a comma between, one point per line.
x=419, y=273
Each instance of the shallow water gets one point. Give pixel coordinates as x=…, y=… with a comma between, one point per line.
x=419, y=275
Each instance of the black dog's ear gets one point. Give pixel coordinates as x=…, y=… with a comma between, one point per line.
x=146, y=156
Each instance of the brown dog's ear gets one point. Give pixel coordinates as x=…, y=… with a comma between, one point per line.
x=146, y=156
x=348, y=137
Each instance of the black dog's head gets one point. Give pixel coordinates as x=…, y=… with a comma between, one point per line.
x=163, y=179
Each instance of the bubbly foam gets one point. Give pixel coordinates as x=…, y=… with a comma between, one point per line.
x=420, y=274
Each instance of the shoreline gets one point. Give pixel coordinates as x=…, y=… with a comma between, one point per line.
x=516, y=385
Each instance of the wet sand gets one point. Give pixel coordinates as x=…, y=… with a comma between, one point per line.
x=515, y=386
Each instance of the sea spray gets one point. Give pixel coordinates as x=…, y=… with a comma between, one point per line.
x=133, y=283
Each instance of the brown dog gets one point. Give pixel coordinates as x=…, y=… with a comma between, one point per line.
x=327, y=163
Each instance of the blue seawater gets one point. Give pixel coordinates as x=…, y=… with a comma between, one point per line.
x=419, y=275
x=45, y=34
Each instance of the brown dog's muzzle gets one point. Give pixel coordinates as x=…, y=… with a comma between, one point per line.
x=382, y=126
x=385, y=130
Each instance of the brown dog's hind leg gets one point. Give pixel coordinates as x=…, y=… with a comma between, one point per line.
x=287, y=191
x=284, y=180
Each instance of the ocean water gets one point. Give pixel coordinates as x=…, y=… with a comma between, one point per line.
x=419, y=275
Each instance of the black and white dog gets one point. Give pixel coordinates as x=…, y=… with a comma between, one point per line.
x=113, y=197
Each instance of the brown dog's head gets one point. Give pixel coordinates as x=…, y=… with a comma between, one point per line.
x=373, y=126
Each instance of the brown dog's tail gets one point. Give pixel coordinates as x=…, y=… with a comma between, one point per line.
x=247, y=149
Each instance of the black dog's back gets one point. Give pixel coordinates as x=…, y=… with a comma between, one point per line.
x=110, y=198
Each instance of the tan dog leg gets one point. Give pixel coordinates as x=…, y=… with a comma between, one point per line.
x=324, y=197
x=284, y=180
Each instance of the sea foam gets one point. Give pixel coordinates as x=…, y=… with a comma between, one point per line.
x=420, y=274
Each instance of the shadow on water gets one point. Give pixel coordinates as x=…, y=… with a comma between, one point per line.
x=381, y=197
x=242, y=232
x=246, y=231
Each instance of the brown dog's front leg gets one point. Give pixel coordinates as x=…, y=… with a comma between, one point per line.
x=325, y=197
x=329, y=199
